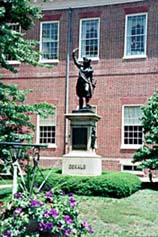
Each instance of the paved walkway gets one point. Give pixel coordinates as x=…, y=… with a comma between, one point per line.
x=146, y=179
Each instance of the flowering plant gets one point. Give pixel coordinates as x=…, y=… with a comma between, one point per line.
x=44, y=214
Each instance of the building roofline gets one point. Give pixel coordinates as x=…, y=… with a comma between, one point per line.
x=62, y=4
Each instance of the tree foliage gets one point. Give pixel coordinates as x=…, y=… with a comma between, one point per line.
x=13, y=44
x=15, y=116
x=148, y=153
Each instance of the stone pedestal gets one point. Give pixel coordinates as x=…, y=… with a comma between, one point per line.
x=82, y=158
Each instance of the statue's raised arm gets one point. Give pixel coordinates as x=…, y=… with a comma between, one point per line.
x=75, y=58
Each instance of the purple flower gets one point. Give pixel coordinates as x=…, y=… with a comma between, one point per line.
x=54, y=212
x=85, y=224
x=91, y=231
x=49, y=226
x=67, y=232
x=36, y=203
x=45, y=226
x=17, y=211
x=8, y=234
x=88, y=227
x=72, y=202
x=47, y=214
x=42, y=226
x=60, y=226
x=68, y=219
x=49, y=195
x=18, y=195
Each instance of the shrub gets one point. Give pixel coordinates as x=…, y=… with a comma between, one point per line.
x=109, y=184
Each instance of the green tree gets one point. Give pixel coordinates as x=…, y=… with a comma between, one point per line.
x=148, y=153
x=14, y=44
x=15, y=114
x=15, y=117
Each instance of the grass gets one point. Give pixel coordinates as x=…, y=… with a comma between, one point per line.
x=5, y=181
x=135, y=216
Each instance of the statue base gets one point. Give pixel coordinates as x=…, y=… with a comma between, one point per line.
x=82, y=158
x=82, y=163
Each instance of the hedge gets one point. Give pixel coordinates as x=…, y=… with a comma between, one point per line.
x=109, y=184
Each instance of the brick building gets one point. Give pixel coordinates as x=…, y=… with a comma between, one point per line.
x=121, y=38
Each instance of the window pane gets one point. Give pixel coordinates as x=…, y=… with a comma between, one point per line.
x=136, y=35
x=47, y=129
x=132, y=115
x=45, y=136
x=50, y=42
x=89, y=38
x=133, y=135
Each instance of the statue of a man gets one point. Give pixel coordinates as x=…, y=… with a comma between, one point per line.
x=85, y=83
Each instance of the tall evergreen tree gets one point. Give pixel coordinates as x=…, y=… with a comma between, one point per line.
x=148, y=153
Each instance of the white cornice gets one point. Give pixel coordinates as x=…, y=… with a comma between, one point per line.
x=65, y=4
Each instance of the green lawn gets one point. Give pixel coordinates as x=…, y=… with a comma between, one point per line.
x=5, y=181
x=135, y=216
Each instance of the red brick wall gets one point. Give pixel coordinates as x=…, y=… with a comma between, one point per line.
x=119, y=81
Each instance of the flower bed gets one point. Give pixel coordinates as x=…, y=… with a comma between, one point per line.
x=45, y=214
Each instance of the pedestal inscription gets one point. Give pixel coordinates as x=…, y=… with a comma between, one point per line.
x=82, y=163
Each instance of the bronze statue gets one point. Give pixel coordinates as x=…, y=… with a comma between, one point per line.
x=85, y=83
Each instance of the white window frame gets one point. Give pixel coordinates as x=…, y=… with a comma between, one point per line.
x=50, y=145
x=49, y=60
x=80, y=41
x=14, y=61
x=129, y=146
x=128, y=162
x=145, y=37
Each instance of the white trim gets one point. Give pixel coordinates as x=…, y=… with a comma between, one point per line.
x=80, y=32
x=49, y=60
x=134, y=56
x=53, y=145
x=145, y=35
x=13, y=62
x=128, y=162
x=37, y=130
x=128, y=146
x=62, y=4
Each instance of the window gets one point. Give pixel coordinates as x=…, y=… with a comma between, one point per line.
x=89, y=38
x=135, y=35
x=49, y=42
x=17, y=28
x=46, y=130
x=132, y=128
